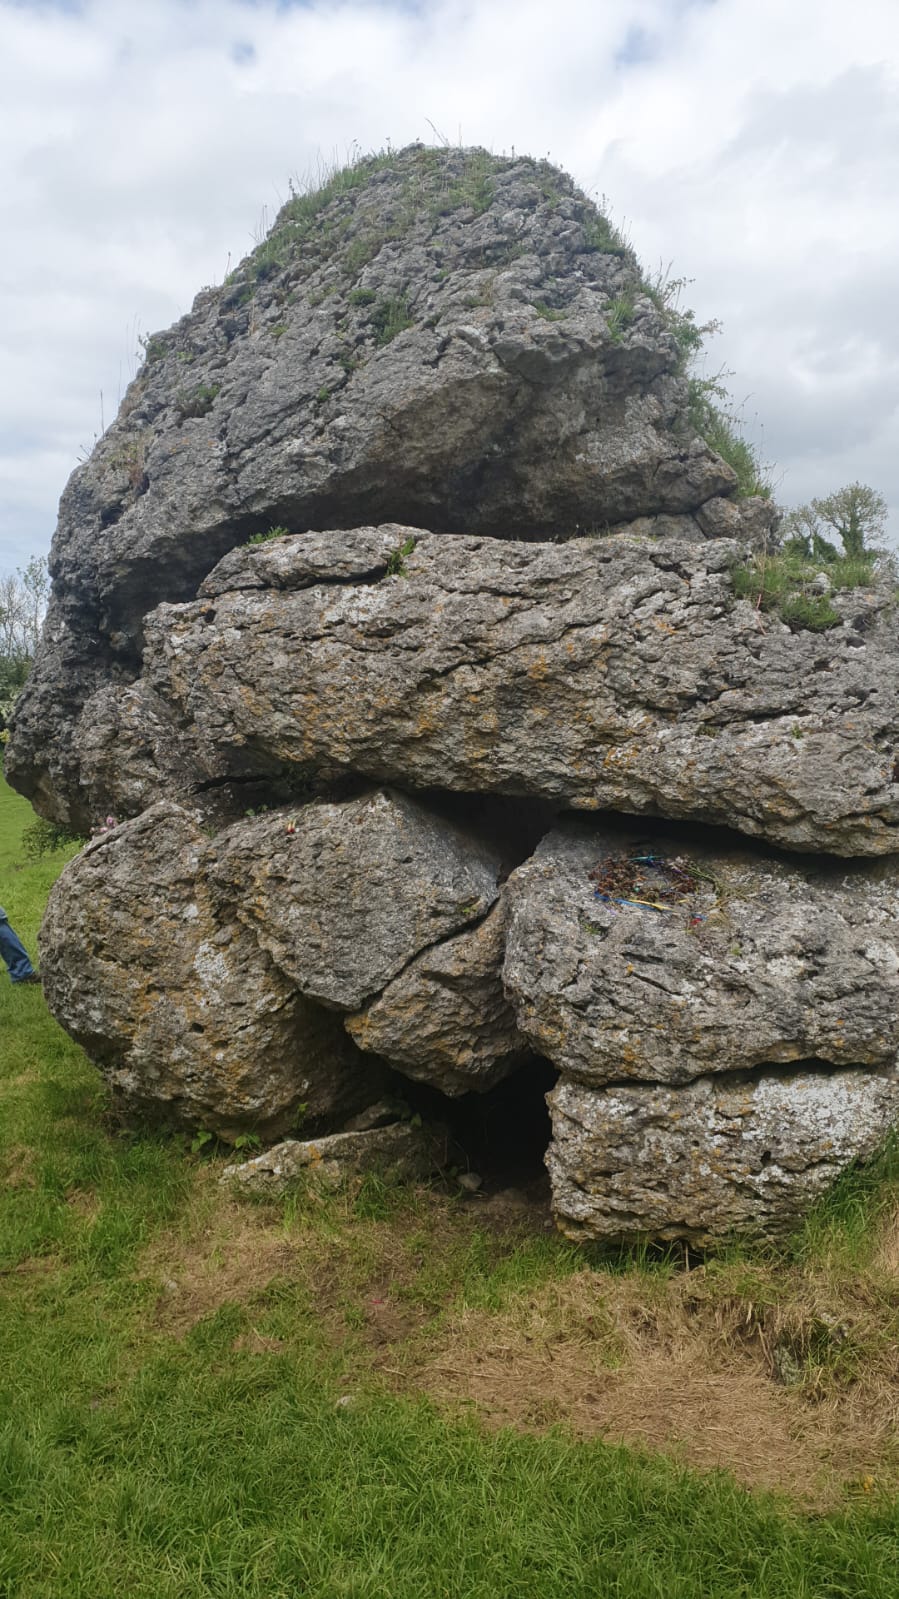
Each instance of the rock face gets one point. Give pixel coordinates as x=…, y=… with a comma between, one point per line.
x=344, y=896
x=437, y=338
x=714, y=1158
x=186, y=1015
x=446, y=1020
x=754, y=960
x=402, y=544
x=601, y=673
x=671, y=989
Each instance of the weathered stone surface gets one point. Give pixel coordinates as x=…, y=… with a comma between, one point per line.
x=716, y=1157
x=445, y=338
x=445, y=1020
x=343, y=896
x=602, y=673
x=769, y=960
x=187, y=1017
x=400, y=1152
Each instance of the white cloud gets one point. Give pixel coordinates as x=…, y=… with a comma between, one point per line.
x=752, y=143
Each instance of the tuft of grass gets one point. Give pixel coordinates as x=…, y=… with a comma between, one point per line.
x=547, y=312
x=263, y=538
x=197, y=401
x=396, y=560
x=782, y=582
x=472, y=190
x=619, y=316
x=602, y=236
x=711, y=418
x=389, y=318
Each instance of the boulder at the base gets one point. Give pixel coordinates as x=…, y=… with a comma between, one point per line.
x=190, y=1021
x=615, y=673
x=400, y=1152
x=658, y=959
x=445, y=1020
x=717, y=1157
x=344, y=895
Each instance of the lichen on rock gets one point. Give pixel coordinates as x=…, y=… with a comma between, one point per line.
x=402, y=550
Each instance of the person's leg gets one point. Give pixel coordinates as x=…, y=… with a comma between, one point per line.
x=14, y=953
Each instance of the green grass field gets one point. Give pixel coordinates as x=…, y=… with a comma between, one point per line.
x=195, y=1398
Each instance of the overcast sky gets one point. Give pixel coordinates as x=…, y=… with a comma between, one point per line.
x=754, y=144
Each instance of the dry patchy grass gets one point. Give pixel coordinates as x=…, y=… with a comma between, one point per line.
x=785, y=1375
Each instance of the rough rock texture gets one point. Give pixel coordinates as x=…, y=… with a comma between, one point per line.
x=403, y=543
x=343, y=896
x=717, y=1157
x=615, y=673
x=188, y=1018
x=438, y=338
x=445, y=1020
x=766, y=961
x=400, y=1152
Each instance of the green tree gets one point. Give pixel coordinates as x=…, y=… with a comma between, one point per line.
x=856, y=513
x=23, y=602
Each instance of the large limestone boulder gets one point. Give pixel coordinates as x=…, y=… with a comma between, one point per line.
x=437, y=337
x=189, y=1019
x=654, y=958
x=601, y=673
x=719, y=1157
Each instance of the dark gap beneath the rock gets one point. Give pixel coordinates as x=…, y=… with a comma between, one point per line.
x=501, y=1135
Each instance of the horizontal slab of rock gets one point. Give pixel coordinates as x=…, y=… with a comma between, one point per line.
x=343, y=896
x=647, y=958
x=400, y=1152
x=189, y=1019
x=617, y=673
x=446, y=1020
x=715, y=1158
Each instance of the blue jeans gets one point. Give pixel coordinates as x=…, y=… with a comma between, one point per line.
x=14, y=952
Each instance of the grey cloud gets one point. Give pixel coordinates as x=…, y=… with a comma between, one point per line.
x=760, y=158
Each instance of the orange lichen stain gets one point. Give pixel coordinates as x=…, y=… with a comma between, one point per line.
x=538, y=668
x=663, y=626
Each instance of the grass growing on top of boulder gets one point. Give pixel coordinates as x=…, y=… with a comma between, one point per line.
x=206, y=1399
x=784, y=582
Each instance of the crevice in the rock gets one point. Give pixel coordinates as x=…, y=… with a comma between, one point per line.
x=743, y=1077
x=511, y=824
x=502, y=1135
x=637, y=827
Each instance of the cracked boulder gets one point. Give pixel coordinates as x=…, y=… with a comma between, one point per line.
x=188, y=1018
x=614, y=673
x=647, y=958
x=343, y=896
x=719, y=1156
x=446, y=1020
